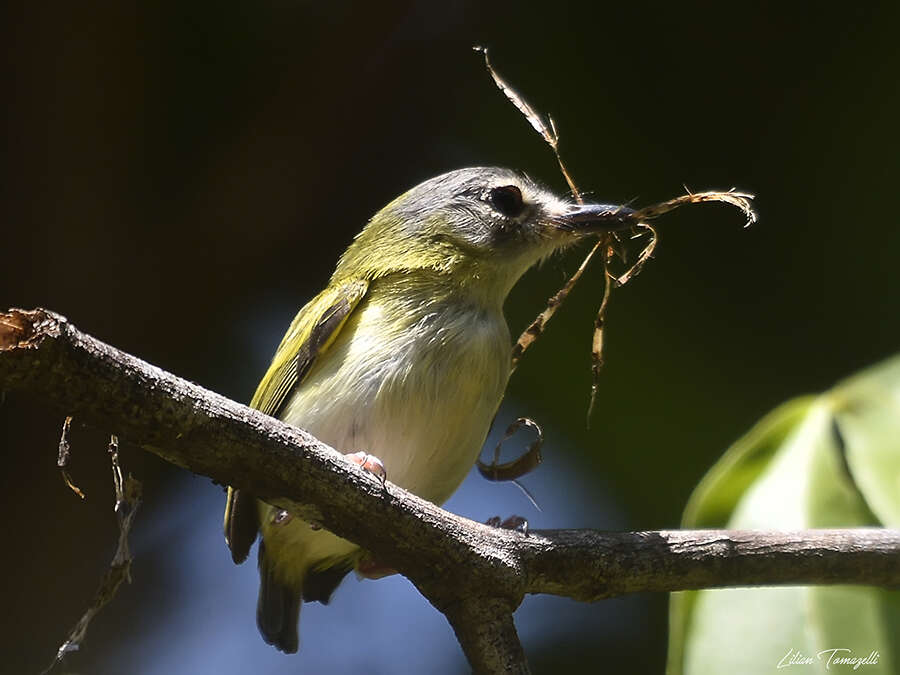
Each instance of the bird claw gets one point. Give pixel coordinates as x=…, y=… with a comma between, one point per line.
x=281, y=517
x=369, y=463
x=517, y=523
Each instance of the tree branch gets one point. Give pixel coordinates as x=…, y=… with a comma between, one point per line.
x=476, y=575
x=487, y=634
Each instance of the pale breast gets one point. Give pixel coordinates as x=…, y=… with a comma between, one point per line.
x=415, y=384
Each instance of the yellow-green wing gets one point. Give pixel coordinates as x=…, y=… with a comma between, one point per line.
x=311, y=333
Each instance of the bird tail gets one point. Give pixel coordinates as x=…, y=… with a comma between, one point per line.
x=278, y=608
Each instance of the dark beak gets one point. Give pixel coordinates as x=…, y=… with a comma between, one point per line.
x=589, y=218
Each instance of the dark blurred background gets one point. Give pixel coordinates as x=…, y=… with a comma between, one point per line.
x=182, y=177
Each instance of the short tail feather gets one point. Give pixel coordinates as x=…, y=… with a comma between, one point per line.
x=241, y=523
x=319, y=585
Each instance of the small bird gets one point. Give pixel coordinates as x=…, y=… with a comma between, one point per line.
x=404, y=357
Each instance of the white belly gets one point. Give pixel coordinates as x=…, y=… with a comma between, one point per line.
x=419, y=393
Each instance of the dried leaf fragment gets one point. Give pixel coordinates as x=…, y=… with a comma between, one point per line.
x=495, y=471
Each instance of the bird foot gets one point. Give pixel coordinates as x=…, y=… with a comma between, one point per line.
x=517, y=523
x=281, y=517
x=369, y=463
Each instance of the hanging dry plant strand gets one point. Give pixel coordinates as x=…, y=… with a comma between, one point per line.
x=741, y=200
x=562, y=167
x=645, y=255
x=118, y=480
x=62, y=458
x=128, y=498
x=549, y=133
x=597, y=341
x=509, y=471
x=547, y=130
x=536, y=327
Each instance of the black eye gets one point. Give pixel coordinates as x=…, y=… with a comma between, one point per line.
x=507, y=200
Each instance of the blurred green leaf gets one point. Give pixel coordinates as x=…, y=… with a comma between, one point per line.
x=830, y=461
x=721, y=488
x=867, y=413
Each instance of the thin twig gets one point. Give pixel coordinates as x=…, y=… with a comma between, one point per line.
x=213, y=436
